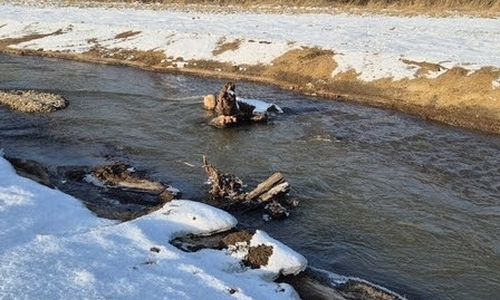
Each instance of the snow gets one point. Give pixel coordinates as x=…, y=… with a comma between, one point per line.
x=54, y=248
x=283, y=260
x=262, y=106
x=371, y=45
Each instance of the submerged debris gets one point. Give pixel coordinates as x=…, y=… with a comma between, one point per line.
x=227, y=192
x=114, y=191
x=121, y=175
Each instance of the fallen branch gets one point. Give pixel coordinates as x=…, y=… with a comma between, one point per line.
x=227, y=192
x=275, y=179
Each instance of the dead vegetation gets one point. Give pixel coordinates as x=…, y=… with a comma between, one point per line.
x=485, y=8
x=127, y=34
x=227, y=191
x=13, y=41
x=303, y=66
x=457, y=96
x=223, y=45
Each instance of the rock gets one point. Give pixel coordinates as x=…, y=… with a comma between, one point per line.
x=310, y=287
x=224, y=121
x=275, y=210
x=32, y=170
x=358, y=289
x=209, y=102
x=122, y=175
x=32, y=101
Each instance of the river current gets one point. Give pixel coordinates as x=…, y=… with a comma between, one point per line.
x=405, y=203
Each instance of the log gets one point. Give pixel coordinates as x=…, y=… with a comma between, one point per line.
x=266, y=185
x=278, y=189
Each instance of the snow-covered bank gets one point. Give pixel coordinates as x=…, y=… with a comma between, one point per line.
x=371, y=45
x=446, y=69
x=54, y=248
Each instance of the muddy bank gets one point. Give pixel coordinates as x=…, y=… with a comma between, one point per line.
x=457, y=97
x=113, y=191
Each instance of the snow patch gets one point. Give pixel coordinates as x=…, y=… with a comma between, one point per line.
x=262, y=106
x=54, y=248
x=371, y=45
x=284, y=260
x=495, y=84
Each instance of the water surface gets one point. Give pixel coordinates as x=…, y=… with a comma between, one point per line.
x=405, y=203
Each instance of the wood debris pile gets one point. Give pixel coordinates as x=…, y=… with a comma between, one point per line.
x=227, y=192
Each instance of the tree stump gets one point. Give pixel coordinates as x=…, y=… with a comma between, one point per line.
x=231, y=112
x=226, y=103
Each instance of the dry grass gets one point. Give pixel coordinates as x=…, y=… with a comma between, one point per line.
x=12, y=41
x=429, y=7
x=303, y=66
x=223, y=45
x=126, y=34
x=457, y=96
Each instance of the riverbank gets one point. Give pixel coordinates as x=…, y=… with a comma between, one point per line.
x=277, y=262
x=439, y=68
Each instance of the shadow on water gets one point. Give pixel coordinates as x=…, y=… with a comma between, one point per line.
x=404, y=203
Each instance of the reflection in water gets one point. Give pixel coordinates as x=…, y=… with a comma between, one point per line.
x=404, y=203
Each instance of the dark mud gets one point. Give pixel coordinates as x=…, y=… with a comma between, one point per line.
x=111, y=191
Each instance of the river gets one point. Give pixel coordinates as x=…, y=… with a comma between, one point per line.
x=402, y=202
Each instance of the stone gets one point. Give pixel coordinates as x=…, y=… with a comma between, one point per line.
x=209, y=102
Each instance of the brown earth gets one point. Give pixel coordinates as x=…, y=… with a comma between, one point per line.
x=455, y=97
x=478, y=8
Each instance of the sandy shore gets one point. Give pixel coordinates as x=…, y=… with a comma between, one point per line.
x=444, y=91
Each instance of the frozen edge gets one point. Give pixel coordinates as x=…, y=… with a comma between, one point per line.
x=69, y=251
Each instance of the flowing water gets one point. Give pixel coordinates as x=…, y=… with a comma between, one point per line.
x=407, y=204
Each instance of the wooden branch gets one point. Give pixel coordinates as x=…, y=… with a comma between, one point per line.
x=277, y=189
x=266, y=185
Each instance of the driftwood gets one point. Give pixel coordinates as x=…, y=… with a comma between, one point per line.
x=266, y=186
x=224, y=186
x=227, y=192
x=231, y=112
